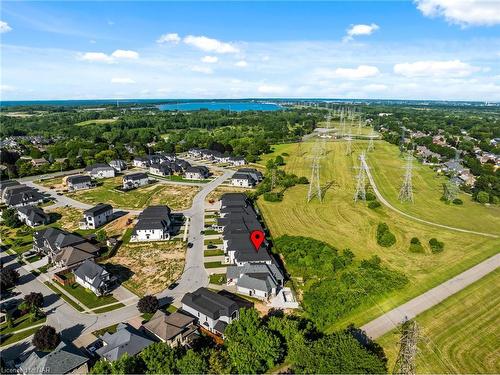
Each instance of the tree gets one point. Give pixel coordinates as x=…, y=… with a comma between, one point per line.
x=251, y=346
x=9, y=320
x=10, y=218
x=33, y=299
x=483, y=197
x=159, y=358
x=219, y=362
x=46, y=338
x=148, y=304
x=127, y=364
x=101, y=235
x=338, y=353
x=9, y=278
x=191, y=363
x=279, y=160
x=436, y=246
x=102, y=366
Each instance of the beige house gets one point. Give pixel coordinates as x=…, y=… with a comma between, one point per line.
x=174, y=329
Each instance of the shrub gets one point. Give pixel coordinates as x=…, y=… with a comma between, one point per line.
x=303, y=180
x=46, y=338
x=384, y=236
x=415, y=241
x=285, y=154
x=495, y=199
x=148, y=304
x=483, y=197
x=436, y=246
x=370, y=196
x=457, y=201
x=416, y=246
x=273, y=197
x=279, y=160
x=374, y=204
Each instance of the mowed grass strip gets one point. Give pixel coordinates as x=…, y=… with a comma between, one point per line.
x=345, y=224
x=177, y=197
x=216, y=264
x=460, y=335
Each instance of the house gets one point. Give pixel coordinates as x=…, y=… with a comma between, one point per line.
x=196, y=173
x=50, y=241
x=243, y=180
x=126, y=339
x=174, y=329
x=78, y=182
x=256, y=175
x=100, y=170
x=32, y=216
x=92, y=276
x=261, y=280
x=453, y=166
x=96, y=216
x=140, y=162
x=118, y=165
x=39, y=162
x=467, y=178
x=70, y=257
x=237, y=161
x=153, y=224
x=4, y=187
x=64, y=359
x=135, y=180
x=22, y=195
x=213, y=312
x=160, y=169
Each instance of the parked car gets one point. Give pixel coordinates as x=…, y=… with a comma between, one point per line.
x=190, y=245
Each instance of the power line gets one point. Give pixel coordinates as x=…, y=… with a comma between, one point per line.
x=406, y=191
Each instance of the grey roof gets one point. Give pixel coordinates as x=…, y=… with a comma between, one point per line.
x=98, y=209
x=78, y=179
x=153, y=217
x=56, y=238
x=98, y=166
x=93, y=271
x=220, y=326
x=6, y=183
x=35, y=214
x=126, y=339
x=210, y=303
x=135, y=176
x=199, y=169
x=243, y=176
x=62, y=360
x=73, y=255
x=27, y=196
x=260, y=276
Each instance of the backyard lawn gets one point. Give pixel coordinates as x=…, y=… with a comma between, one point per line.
x=177, y=197
x=345, y=224
x=460, y=335
x=149, y=267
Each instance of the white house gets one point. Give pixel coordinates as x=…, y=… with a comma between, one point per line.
x=259, y=280
x=160, y=169
x=243, y=180
x=135, y=180
x=78, y=182
x=96, y=216
x=32, y=216
x=94, y=277
x=213, y=312
x=100, y=171
x=140, y=162
x=237, y=161
x=153, y=224
x=196, y=173
x=118, y=165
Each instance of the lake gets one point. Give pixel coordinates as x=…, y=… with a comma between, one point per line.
x=220, y=105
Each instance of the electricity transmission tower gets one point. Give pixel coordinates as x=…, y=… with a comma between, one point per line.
x=273, y=178
x=359, y=125
x=361, y=180
x=314, y=182
x=406, y=191
x=450, y=190
x=348, y=149
x=402, y=141
x=405, y=362
x=371, y=144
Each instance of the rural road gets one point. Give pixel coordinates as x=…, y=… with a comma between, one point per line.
x=390, y=206
x=390, y=320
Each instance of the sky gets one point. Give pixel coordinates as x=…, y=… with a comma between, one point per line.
x=422, y=49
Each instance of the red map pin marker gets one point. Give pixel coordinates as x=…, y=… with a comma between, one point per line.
x=257, y=237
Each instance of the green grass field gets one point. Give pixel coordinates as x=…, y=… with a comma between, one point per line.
x=88, y=298
x=96, y=122
x=345, y=224
x=177, y=197
x=460, y=335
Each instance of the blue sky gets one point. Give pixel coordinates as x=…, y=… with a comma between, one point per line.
x=425, y=49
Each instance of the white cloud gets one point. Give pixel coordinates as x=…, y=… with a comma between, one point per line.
x=271, y=89
x=241, y=64
x=169, y=38
x=433, y=68
x=209, y=44
x=375, y=87
x=360, y=29
x=7, y=88
x=122, y=80
x=96, y=57
x=202, y=69
x=4, y=27
x=362, y=71
x=210, y=59
x=462, y=12
x=125, y=54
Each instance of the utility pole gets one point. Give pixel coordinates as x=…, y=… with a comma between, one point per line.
x=405, y=362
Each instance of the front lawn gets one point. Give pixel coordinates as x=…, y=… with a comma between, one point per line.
x=20, y=323
x=213, y=253
x=214, y=264
x=218, y=278
x=217, y=241
x=87, y=297
x=63, y=296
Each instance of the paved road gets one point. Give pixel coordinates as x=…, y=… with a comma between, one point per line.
x=417, y=305
x=388, y=205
